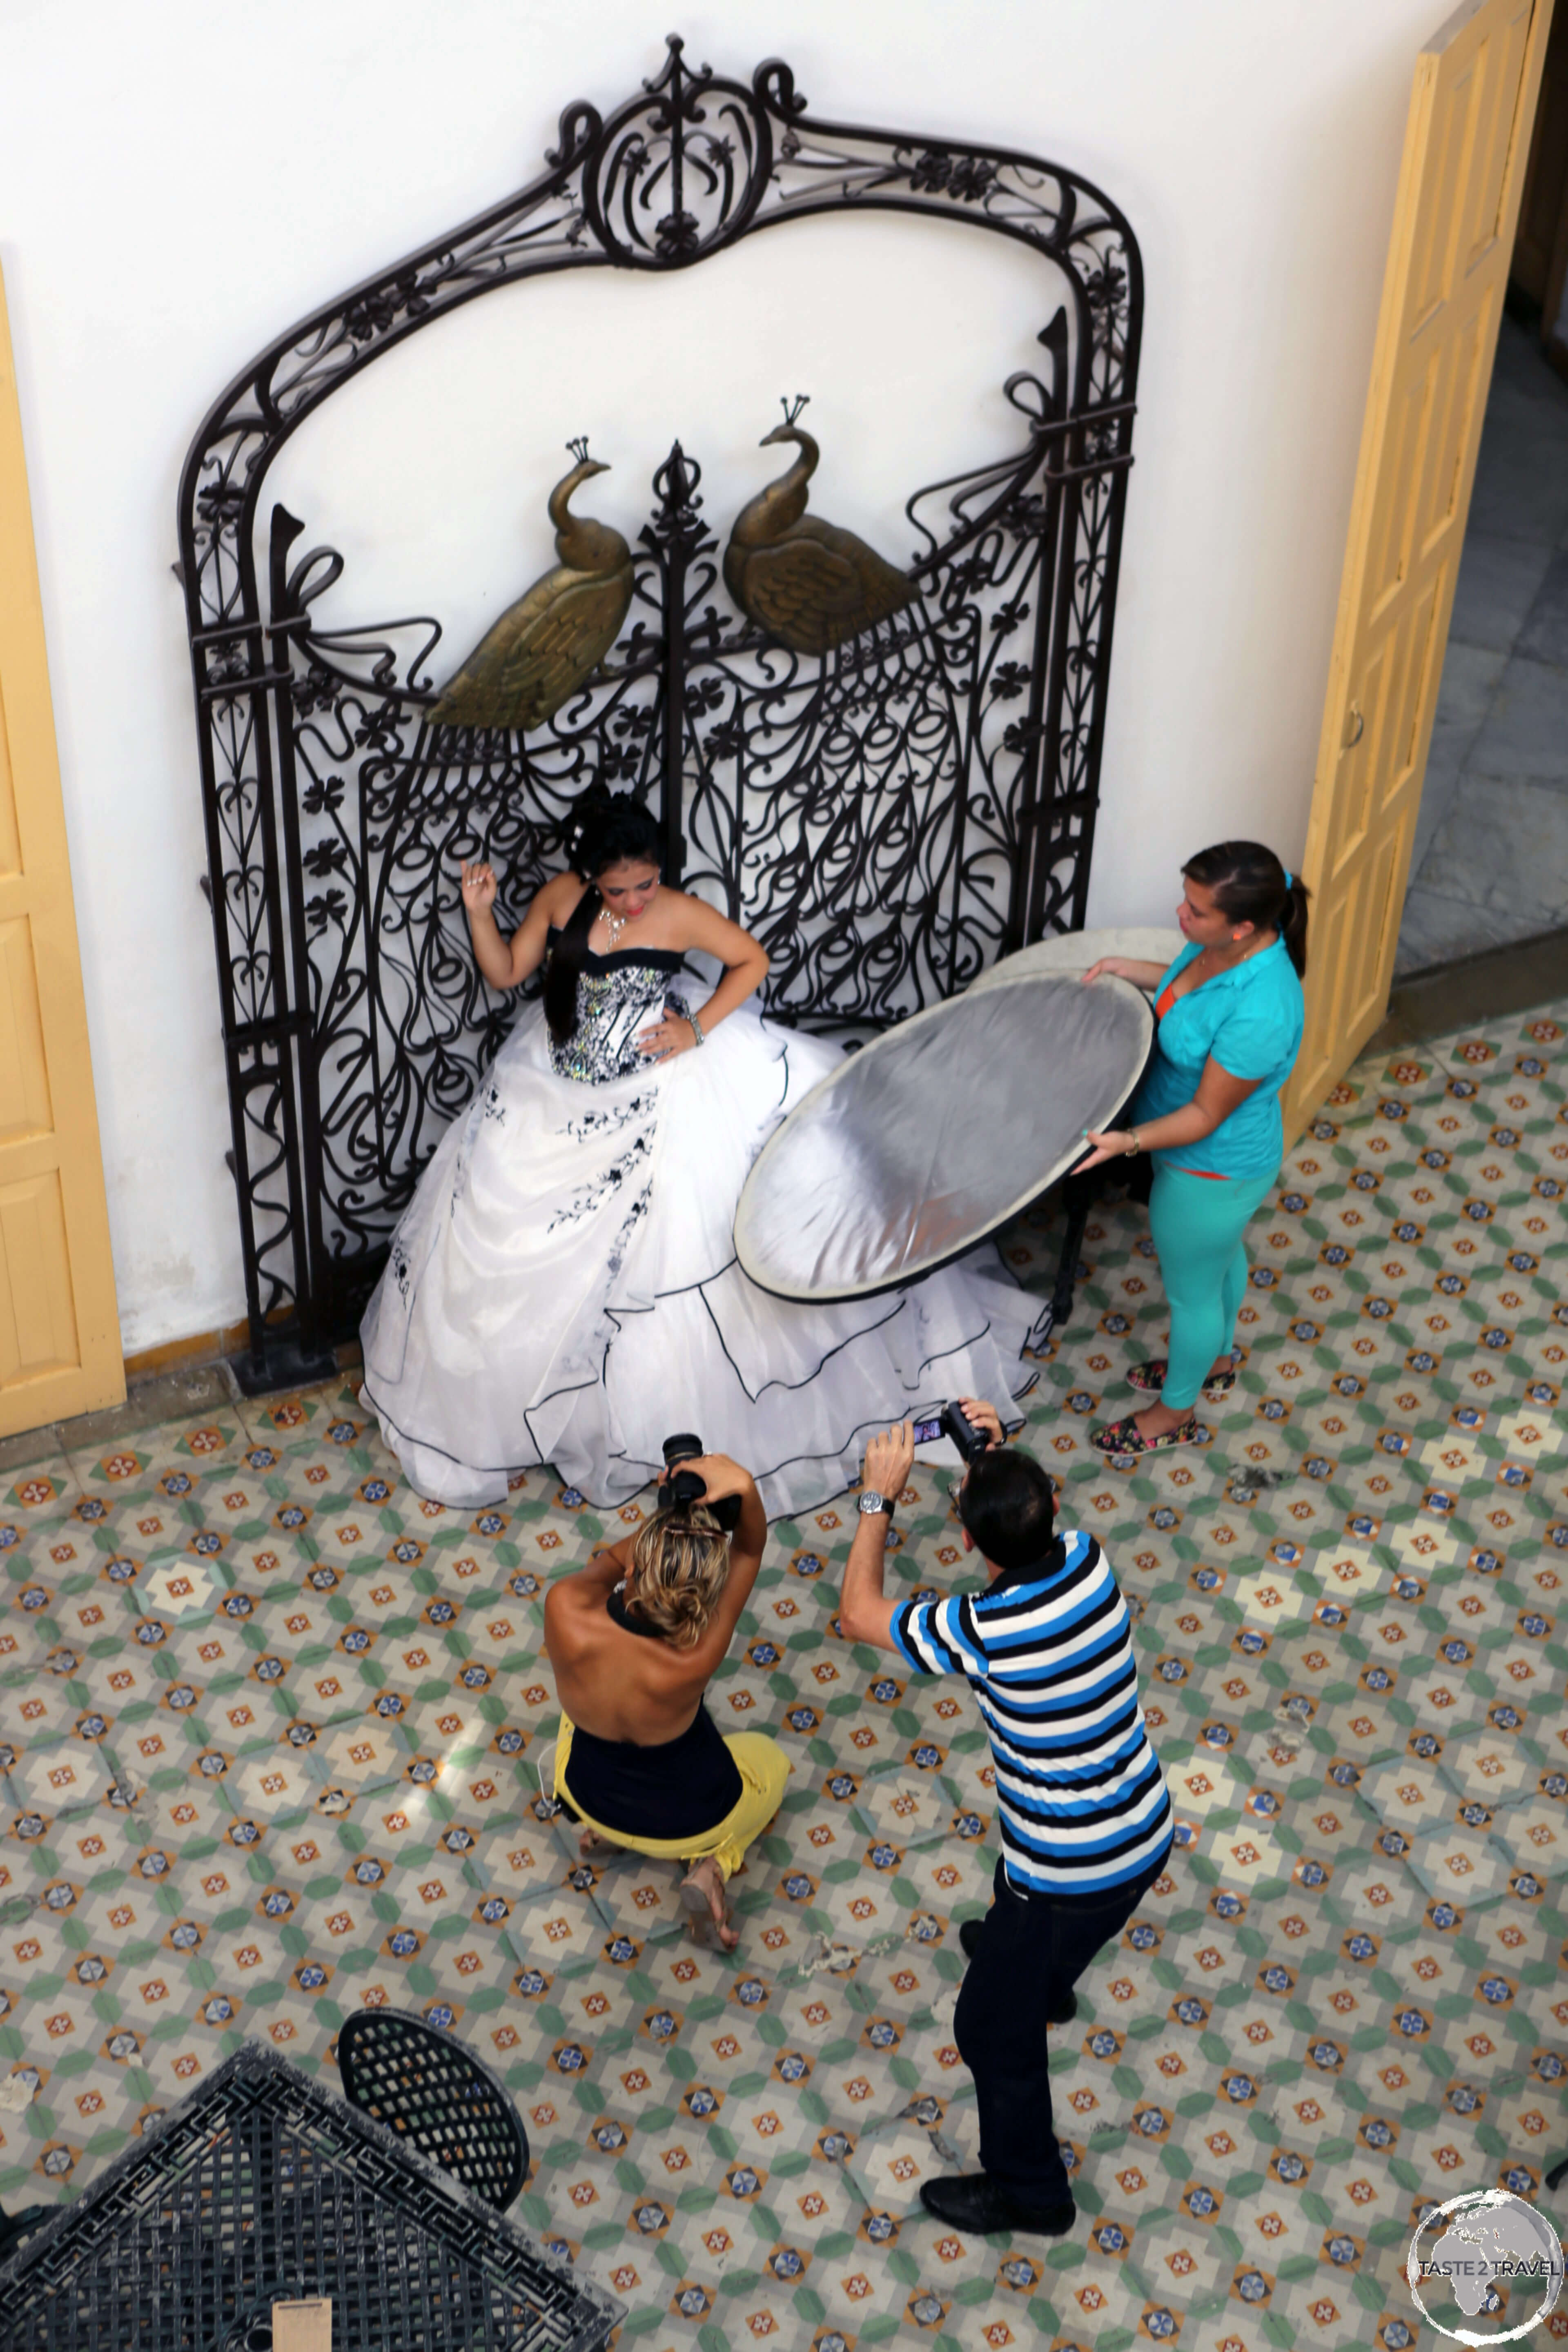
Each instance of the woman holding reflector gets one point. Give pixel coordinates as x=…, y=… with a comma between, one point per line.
x=1230, y=1019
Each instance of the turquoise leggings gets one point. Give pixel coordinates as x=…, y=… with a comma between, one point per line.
x=1199, y=1228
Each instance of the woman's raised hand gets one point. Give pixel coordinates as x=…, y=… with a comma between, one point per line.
x=718, y=1473
x=479, y=887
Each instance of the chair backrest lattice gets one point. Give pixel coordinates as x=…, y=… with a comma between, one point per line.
x=427, y=2087
x=265, y=2187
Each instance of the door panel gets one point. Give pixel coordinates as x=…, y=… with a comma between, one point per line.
x=60, y=1333
x=24, y=1075
x=37, y=1322
x=1464, y=144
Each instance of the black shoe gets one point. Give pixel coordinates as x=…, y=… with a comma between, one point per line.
x=968, y=1943
x=973, y=2201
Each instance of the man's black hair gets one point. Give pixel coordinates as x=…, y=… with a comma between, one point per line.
x=1008, y=1507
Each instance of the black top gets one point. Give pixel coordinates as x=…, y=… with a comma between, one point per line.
x=617, y=1612
x=656, y=959
x=679, y=1788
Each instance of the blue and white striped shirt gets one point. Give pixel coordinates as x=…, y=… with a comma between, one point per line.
x=1047, y=1650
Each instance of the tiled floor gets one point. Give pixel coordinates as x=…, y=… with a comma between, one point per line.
x=274, y=1729
x=1491, y=861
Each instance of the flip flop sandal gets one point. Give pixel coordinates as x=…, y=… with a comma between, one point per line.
x=700, y=1914
x=1124, y=1437
x=1151, y=1379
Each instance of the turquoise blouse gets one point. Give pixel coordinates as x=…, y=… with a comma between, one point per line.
x=1249, y=1020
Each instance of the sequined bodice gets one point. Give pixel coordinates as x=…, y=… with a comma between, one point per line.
x=619, y=996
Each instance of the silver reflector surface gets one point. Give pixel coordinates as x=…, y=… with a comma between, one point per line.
x=934, y=1136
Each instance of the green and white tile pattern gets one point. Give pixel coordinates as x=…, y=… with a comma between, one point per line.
x=274, y=1731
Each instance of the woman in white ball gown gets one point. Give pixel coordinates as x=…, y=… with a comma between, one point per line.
x=563, y=1287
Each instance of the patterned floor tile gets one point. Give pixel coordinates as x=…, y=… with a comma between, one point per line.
x=275, y=1742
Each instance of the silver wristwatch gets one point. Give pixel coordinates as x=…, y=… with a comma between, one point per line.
x=872, y=1504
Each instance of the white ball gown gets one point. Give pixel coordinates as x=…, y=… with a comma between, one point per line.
x=563, y=1287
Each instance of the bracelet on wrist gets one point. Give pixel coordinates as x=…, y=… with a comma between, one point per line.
x=696, y=1028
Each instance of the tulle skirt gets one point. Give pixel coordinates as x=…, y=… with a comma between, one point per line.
x=563, y=1289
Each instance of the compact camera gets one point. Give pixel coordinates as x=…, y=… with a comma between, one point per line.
x=954, y=1423
x=684, y=1488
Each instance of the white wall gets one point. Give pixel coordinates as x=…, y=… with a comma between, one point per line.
x=179, y=181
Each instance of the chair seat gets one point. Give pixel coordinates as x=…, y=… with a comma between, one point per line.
x=430, y=2088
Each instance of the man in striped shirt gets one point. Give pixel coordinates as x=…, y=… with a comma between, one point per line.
x=1084, y=1815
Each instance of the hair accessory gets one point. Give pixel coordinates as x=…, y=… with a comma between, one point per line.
x=1289, y=877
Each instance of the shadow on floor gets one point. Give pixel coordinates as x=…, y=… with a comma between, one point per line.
x=1476, y=988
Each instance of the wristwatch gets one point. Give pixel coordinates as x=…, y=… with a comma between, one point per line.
x=872, y=1504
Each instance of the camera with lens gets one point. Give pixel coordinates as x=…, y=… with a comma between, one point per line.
x=682, y=1488
x=954, y=1423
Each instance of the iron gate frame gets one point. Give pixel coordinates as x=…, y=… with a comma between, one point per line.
x=262, y=678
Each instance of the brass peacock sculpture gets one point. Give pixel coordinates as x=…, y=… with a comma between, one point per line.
x=807, y=583
x=551, y=640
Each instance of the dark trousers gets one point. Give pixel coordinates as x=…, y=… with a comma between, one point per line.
x=1032, y=1951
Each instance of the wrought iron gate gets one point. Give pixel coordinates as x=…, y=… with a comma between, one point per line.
x=888, y=817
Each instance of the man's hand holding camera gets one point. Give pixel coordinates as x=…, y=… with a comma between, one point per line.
x=889, y=1458
x=865, y=1613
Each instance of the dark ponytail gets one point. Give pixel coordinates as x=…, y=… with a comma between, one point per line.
x=1250, y=886
x=604, y=829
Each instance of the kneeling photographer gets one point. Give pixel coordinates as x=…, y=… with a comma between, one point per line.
x=633, y=1638
x=1085, y=1816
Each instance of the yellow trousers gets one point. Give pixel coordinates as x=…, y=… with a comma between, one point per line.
x=763, y=1768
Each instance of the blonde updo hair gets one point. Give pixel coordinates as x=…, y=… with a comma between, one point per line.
x=680, y=1563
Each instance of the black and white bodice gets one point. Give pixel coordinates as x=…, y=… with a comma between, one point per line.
x=619, y=996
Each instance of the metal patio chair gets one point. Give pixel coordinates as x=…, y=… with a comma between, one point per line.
x=14, y=2226
x=430, y=2088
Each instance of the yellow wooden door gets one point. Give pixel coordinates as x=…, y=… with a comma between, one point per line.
x=1464, y=147
x=59, y=1332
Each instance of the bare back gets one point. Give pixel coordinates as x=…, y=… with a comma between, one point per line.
x=638, y=1686
x=622, y=1686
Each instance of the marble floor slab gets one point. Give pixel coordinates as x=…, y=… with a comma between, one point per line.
x=1489, y=862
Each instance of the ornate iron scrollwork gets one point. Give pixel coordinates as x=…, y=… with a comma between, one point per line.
x=888, y=815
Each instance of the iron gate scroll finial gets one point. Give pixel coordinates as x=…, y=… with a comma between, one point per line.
x=888, y=815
